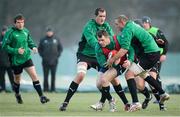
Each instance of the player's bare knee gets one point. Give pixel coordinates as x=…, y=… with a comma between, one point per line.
x=153, y=74
x=103, y=81
x=115, y=82
x=140, y=86
x=129, y=75
x=98, y=84
x=17, y=79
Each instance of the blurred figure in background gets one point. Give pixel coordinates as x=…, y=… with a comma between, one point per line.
x=5, y=65
x=163, y=45
x=50, y=49
x=18, y=43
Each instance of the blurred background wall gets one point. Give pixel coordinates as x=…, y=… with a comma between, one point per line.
x=68, y=17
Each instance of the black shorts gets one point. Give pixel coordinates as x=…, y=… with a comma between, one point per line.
x=149, y=60
x=156, y=68
x=120, y=70
x=19, y=69
x=91, y=61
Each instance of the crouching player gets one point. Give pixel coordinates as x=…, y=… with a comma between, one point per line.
x=105, y=46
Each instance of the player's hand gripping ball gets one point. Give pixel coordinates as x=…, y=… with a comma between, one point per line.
x=111, y=54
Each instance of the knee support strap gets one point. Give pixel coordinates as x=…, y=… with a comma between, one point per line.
x=82, y=67
x=138, y=70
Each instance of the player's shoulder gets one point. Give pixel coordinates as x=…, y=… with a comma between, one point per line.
x=106, y=24
x=10, y=30
x=26, y=30
x=90, y=23
x=98, y=47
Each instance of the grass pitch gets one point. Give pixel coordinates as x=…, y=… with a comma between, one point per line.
x=79, y=106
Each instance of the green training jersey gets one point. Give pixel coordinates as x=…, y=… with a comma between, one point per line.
x=15, y=39
x=138, y=37
x=89, y=38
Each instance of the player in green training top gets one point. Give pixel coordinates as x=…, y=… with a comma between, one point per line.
x=146, y=51
x=18, y=43
x=86, y=57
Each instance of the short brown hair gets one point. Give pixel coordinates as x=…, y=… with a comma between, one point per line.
x=101, y=33
x=19, y=17
x=122, y=18
x=99, y=10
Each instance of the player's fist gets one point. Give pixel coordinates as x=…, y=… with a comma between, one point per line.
x=160, y=41
x=21, y=50
x=162, y=58
x=111, y=54
x=126, y=64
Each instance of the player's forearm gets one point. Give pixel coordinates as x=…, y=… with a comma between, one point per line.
x=120, y=53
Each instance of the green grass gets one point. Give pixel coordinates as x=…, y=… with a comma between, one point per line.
x=79, y=106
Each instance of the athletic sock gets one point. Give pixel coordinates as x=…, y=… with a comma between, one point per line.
x=156, y=94
x=161, y=106
x=155, y=84
x=121, y=94
x=105, y=92
x=159, y=80
x=103, y=97
x=37, y=86
x=145, y=92
x=133, y=90
x=16, y=87
x=72, y=89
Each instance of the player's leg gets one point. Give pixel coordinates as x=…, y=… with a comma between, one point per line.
x=146, y=63
x=120, y=92
x=81, y=72
x=154, y=73
x=163, y=95
x=118, y=88
x=100, y=104
x=32, y=73
x=16, y=87
x=16, y=84
x=143, y=89
x=133, y=91
x=106, y=78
